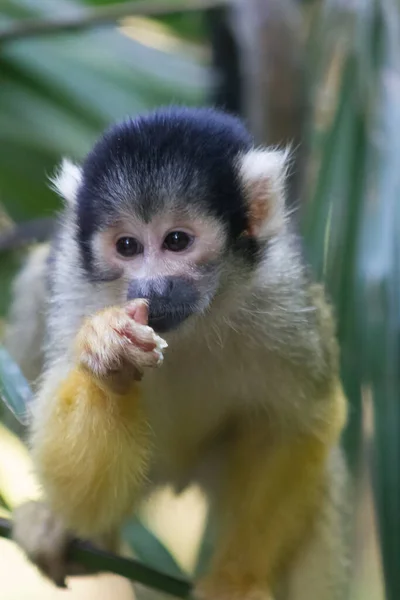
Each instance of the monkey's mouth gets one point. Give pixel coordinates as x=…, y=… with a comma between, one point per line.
x=168, y=319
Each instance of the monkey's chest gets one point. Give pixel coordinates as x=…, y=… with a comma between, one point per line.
x=190, y=399
x=195, y=394
x=186, y=402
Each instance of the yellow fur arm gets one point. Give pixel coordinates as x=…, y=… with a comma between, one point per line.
x=90, y=447
x=275, y=486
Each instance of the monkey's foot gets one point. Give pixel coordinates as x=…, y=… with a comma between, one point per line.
x=45, y=541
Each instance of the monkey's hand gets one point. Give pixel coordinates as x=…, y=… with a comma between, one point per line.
x=116, y=345
x=90, y=436
x=44, y=539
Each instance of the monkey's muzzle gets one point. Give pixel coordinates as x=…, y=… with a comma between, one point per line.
x=171, y=300
x=167, y=320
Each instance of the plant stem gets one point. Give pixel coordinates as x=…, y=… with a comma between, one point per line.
x=98, y=560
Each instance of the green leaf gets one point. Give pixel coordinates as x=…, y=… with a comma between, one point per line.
x=59, y=92
x=3, y=505
x=352, y=225
x=14, y=389
x=96, y=560
x=149, y=549
x=9, y=264
x=379, y=284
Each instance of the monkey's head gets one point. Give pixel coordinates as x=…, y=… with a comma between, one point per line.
x=171, y=207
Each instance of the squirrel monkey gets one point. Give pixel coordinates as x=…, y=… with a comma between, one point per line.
x=184, y=335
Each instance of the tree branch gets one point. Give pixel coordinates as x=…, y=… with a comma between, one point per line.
x=105, y=15
x=96, y=560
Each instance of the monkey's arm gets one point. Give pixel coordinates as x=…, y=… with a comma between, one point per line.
x=90, y=450
x=274, y=488
x=90, y=437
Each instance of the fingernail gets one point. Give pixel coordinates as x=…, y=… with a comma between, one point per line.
x=160, y=356
x=161, y=343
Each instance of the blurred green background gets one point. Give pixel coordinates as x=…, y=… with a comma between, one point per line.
x=320, y=75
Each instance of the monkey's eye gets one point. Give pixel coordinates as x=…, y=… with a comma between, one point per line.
x=176, y=241
x=128, y=246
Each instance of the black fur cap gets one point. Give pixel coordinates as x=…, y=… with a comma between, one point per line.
x=170, y=157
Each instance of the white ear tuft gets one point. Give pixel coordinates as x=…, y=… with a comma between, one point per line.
x=67, y=180
x=263, y=175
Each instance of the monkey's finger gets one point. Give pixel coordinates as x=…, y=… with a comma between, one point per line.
x=52, y=567
x=113, y=328
x=58, y=568
x=138, y=310
x=140, y=337
x=140, y=359
x=140, y=314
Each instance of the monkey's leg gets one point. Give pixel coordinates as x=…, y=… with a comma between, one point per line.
x=274, y=490
x=321, y=568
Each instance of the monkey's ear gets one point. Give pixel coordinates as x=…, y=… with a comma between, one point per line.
x=67, y=180
x=263, y=175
